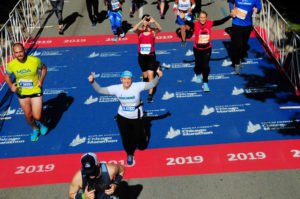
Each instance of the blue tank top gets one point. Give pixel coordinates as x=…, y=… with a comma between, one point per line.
x=104, y=178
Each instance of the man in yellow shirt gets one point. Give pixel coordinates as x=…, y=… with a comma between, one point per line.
x=30, y=73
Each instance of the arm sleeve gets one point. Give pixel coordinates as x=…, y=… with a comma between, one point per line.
x=221, y=21
x=152, y=84
x=99, y=89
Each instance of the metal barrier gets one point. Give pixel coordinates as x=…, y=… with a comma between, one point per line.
x=281, y=41
x=24, y=18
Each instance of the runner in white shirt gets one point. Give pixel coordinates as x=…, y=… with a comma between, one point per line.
x=130, y=113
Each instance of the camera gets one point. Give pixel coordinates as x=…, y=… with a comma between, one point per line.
x=97, y=184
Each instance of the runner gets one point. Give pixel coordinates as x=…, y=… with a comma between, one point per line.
x=130, y=118
x=58, y=6
x=161, y=7
x=114, y=12
x=93, y=11
x=96, y=180
x=146, y=50
x=30, y=73
x=202, y=47
x=183, y=10
x=242, y=26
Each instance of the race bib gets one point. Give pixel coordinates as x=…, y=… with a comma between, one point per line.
x=26, y=83
x=128, y=107
x=203, y=39
x=240, y=13
x=115, y=5
x=145, y=49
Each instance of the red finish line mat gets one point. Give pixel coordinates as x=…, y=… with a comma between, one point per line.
x=252, y=156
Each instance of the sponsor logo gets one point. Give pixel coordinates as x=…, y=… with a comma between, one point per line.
x=106, y=54
x=13, y=139
x=189, y=53
x=55, y=68
x=181, y=94
x=49, y=53
x=8, y=112
x=247, y=61
x=77, y=141
x=266, y=89
x=167, y=96
x=251, y=128
x=91, y=100
x=280, y=125
x=226, y=63
x=164, y=52
x=207, y=111
x=191, y=131
x=155, y=112
x=102, y=139
x=108, y=98
x=233, y=108
x=179, y=65
x=164, y=65
x=110, y=75
x=219, y=76
x=56, y=91
x=237, y=91
x=172, y=133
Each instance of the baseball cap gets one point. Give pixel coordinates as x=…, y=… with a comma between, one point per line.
x=126, y=73
x=89, y=164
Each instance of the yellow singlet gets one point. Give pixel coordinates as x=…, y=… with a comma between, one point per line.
x=27, y=74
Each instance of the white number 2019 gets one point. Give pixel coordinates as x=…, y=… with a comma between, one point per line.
x=34, y=169
x=246, y=156
x=185, y=160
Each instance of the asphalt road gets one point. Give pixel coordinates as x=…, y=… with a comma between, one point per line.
x=283, y=184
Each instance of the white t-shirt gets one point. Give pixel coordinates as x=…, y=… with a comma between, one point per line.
x=129, y=99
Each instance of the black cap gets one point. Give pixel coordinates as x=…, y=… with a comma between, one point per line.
x=89, y=164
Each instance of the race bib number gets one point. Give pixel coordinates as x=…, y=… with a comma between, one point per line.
x=26, y=83
x=128, y=107
x=145, y=49
x=203, y=39
x=115, y=5
x=240, y=13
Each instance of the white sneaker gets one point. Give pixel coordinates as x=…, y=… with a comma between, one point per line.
x=122, y=35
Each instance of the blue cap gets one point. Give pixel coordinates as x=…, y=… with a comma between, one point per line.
x=126, y=73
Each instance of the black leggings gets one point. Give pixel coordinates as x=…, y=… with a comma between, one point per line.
x=58, y=9
x=132, y=132
x=202, y=58
x=92, y=8
x=240, y=36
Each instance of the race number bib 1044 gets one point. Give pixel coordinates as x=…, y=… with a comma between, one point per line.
x=26, y=83
x=145, y=49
